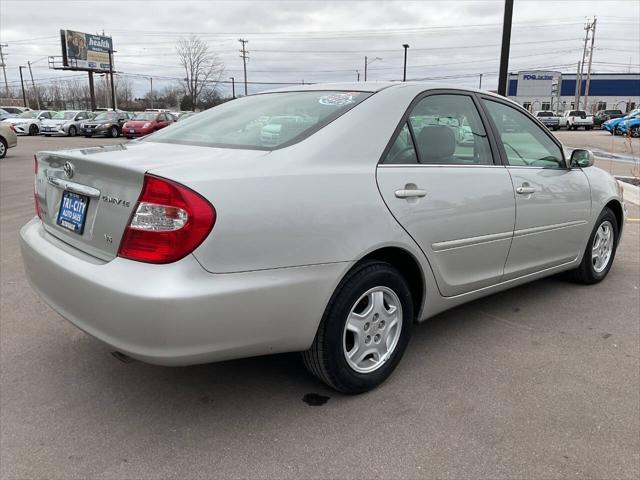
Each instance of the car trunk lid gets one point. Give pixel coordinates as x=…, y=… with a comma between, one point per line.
x=110, y=180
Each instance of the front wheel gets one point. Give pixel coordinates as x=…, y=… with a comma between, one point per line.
x=601, y=250
x=364, y=331
x=3, y=148
x=72, y=131
x=113, y=132
x=635, y=132
x=33, y=129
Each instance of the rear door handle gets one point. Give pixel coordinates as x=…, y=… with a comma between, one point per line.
x=525, y=190
x=413, y=193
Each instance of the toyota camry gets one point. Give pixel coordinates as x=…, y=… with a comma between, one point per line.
x=235, y=233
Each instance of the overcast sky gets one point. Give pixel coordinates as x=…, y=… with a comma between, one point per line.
x=327, y=41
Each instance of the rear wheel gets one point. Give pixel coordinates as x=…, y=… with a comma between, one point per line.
x=3, y=148
x=33, y=129
x=635, y=131
x=587, y=128
x=364, y=330
x=88, y=136
x=600, y=251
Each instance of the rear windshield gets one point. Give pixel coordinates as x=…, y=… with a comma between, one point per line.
x=609, y=112
x=106, y=116
x=64, y=115
x=263, y=122
x=145, y=116
x=545, y=114
x=578, y=113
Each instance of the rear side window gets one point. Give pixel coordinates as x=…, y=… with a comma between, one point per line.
x=525, y=143
x=265, y=122
x=442, y=130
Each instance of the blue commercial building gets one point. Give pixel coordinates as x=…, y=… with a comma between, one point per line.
x=538, y=90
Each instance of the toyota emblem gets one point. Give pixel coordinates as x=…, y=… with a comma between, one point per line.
x=68, y=169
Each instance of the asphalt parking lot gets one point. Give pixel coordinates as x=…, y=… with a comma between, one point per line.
x=541, y=381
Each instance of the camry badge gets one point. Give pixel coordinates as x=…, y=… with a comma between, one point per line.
x=68, y=169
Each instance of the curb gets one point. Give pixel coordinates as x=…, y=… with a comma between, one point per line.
x=631, y=192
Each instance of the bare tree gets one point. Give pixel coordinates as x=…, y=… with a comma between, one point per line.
x=202, y=67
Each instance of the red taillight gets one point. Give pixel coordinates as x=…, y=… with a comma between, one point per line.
x=35, y=186
x=169, y=222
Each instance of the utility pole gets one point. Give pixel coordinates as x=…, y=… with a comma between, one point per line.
x=245, y=57
x=151, y=94
x=24, y=95
x=578, y=81
x=480, y=85
x=92, y=92
x=113, y=87
x=365, y=68
x=233, y=87
x=587, y=30
x=506, y=45
x=586, y=87
x=404, y=74
x=4, y=70
x=33, y=84
x=358, y=74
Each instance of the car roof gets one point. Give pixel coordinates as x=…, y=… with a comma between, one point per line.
x=373, y=87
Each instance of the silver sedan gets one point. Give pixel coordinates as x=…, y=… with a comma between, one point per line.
x=242, y=232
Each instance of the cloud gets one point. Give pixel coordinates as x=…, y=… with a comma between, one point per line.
x=327, y=41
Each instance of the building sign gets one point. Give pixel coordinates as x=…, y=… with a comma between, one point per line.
x=85, y=51
x=536, y=83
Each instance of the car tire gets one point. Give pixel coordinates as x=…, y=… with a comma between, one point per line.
x=587, y=128
x=113, y=132
x=88, y=136
x=3, y=148
x=47, y=135
x=594, y=268
x=368, y=295
x=72, y=131
x=33, y=129
x=634, y=132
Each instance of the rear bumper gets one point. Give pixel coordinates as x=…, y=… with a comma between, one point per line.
x=178, y=314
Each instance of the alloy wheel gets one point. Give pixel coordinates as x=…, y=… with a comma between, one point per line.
x=602, y=247
x=372, y=329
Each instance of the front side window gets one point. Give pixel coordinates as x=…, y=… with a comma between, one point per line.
x=525, y=143
x=265, y=122
x=447, y=130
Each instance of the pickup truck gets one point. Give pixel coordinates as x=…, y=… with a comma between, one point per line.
x=548, y=119
x=574, y=119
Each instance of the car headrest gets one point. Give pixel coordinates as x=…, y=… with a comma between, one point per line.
x=436, y=143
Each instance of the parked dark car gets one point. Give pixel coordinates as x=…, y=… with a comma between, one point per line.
x=602, y=116
x=108, y=124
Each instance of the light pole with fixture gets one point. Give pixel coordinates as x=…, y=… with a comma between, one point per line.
x=404, y=75
x=366, y=63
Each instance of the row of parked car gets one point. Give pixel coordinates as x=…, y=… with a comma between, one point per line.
x=626, y=125
x=70, y=123
x=575, y=119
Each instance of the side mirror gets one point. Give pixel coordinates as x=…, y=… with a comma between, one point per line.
x=581, y=158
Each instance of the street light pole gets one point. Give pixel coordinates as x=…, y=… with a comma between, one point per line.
x=506, y=44
x=366, y=63
x=233, y=87
x=24, y=95
x=404, y=74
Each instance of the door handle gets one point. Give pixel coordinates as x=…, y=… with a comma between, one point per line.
x=525, y=189
x=412, y=193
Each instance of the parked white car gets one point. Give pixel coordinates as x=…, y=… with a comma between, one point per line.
x=205, y=241
x=574, y=119
x=29, y=122
x=67, y=123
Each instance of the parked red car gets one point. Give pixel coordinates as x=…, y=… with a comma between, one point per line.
x=145, y=123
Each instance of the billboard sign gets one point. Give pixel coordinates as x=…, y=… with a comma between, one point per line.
x=85, y=51
x=537, y=83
